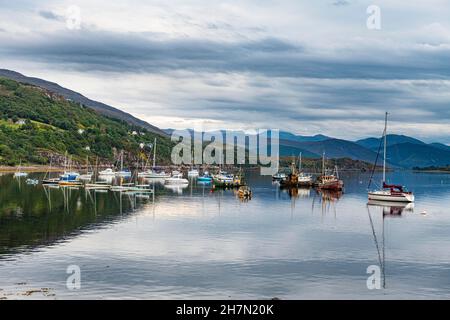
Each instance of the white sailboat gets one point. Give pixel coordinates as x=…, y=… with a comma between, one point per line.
x=107, y=172
x=151, y=173
x=193, y=173
x=88, y=175
x=303, y=179
x=389, y=192
x=122, y=172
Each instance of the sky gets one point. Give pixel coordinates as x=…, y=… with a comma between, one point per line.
x=308, y=67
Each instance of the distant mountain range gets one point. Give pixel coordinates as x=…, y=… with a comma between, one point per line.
x=76, y=97
x=403, y=151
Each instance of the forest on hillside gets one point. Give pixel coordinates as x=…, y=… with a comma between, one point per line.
x=36, y=125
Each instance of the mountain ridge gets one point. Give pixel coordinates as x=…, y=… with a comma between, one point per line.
x=79, y=98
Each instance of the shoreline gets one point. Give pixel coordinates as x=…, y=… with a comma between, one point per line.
x=432, y=171
x=31, y=168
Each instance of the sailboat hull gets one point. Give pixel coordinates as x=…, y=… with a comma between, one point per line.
x=391, y=197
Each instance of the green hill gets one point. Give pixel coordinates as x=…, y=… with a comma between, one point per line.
x=35, y=123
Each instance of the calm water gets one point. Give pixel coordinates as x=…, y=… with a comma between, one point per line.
x=194, y=243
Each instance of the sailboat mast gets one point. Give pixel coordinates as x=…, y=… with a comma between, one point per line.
x=300, y=163
x=385, y=148
x=121, y=162
x=154, y=153
x=323, y=164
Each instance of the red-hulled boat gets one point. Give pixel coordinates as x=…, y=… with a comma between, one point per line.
x=329, y=181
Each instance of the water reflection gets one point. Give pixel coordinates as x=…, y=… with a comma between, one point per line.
x=36, y=215
x=387, y=210
x=295, y=243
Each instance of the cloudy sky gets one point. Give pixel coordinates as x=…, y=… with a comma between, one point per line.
x=304, y=66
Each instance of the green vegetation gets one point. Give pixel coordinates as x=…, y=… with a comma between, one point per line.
x=433, y=168
x=315, y=165
x=35, y=123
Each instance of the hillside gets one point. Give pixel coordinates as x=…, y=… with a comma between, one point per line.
x=334, y=148
x=392, y=139
x=35, y=123
x=440, y=146
x=284, y=135
x=410, y=155
x=78, y=98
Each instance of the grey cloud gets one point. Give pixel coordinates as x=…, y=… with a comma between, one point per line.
x=134, y=52
x=300, y=84
x=50, y=15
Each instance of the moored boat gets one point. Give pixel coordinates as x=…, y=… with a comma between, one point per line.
x=328, y=181
x=388, y=192
x=107, y=172
x=205, y=178
x=153, y=173
x=394, y=193
x=279, y=176
x=50, y=181
x=193, y=173
x=226, y=180
x=296, y=178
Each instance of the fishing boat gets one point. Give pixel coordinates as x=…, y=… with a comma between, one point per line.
x=329, y=181
x=19, y=173
x=153, y=173
x=297, y=178
x=388, y=192
x=291, y=180
x=176, y=178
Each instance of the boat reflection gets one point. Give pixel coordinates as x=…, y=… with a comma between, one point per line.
x=297, y=192
x=178, y=188
x=388, y=210
x=329, y=195
x=154, y=181
x=393, y=209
